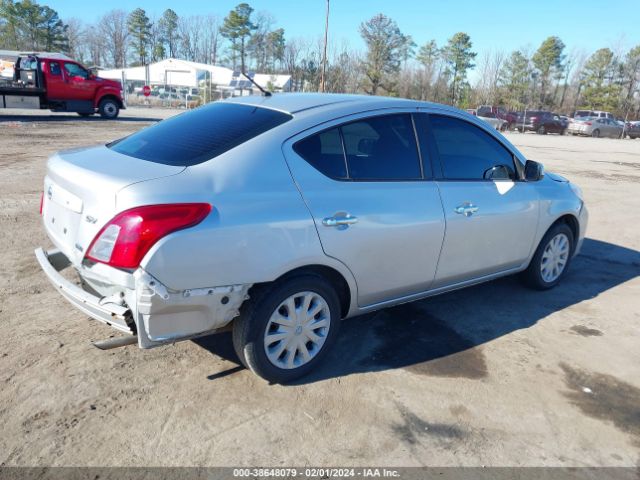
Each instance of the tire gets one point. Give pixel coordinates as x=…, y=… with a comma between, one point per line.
x=595, y=133
x=84, y=114
x=109, y=108
x=541, y=130
x=268, y=302
x=563, y=131
x=533, y=276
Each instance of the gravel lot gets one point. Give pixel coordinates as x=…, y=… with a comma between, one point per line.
x=492, y=375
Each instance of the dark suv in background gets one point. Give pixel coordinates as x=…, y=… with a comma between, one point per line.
x=540, y=122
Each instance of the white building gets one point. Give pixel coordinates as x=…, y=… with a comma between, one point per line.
x=182, y=73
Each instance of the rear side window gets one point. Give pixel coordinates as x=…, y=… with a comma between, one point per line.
x=324, y=152
x=466, y=151
x=199, y=135
x=379, y=148
x=54, y=68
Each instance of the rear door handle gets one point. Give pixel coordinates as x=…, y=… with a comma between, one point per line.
x=339, y=220
x=467, y=209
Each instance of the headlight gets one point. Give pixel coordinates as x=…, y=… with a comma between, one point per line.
x=577, y=190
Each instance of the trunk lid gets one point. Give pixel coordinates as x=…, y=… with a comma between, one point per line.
x=80, y=191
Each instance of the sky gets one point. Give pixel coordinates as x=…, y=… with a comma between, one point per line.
x=584, y=25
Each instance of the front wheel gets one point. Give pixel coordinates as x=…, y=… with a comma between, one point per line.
x=595, y=133
x=551, y=259
x=285, y=329
x=109, y=108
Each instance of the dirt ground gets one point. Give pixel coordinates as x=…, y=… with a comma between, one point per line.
x=492, y=375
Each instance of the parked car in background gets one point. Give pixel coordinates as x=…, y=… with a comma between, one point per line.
x=593, y=113
x=285, y=214
x=541, y=122
x=492, y=120
x=632, y=130
x=595, y=127
x=499, y=112
x=565, y=120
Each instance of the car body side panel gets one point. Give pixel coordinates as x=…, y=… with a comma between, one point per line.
x=497, y=237
x=557, y=200
x=393, y=248
x=258, y=230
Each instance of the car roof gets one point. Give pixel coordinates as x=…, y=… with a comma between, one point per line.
x=297, y=102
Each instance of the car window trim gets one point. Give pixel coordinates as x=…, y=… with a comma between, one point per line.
x=440, y=176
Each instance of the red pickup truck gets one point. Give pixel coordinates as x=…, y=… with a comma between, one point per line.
x=56, y=82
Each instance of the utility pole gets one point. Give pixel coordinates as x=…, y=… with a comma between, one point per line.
x=324, y=55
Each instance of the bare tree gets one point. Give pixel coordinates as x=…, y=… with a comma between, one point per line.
x=113, y=28
x=75, y=39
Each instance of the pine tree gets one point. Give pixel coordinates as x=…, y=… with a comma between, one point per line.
x=168, y=31
x=601, y=91
x=237, y=28
x=548, y=61
x=140, y=29
x=515, y=77
x=459, y=58
x=386, y=48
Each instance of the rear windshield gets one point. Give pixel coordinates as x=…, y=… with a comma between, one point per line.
x=199, y=135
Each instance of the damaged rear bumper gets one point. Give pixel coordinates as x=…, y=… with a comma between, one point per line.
x=144, y=306
x=115, y=315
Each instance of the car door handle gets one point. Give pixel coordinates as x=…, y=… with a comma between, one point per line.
x=466, y=209
x=338, y=221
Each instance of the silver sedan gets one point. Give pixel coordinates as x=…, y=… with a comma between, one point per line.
x=595, y=127
x=279, y=216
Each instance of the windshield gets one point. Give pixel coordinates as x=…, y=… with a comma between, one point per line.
x=199, y=135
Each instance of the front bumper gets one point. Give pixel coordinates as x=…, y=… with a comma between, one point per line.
x=103, y=309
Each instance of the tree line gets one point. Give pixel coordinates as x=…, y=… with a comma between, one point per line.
x=549, y=77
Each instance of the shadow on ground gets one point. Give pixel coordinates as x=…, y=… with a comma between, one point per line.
x=71, y=117
x=444, y=335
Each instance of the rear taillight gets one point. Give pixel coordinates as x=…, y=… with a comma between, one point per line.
x=41, y=202
x=588, y=123
x=126, y=239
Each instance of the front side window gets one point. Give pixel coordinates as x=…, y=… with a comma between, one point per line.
x=379, y=148
x=75, y=70
x=469, y=153
x=199, y=135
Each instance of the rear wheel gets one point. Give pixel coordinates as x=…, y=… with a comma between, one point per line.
x=551, y=259
x=285, y=329
x=109, y=108
x=595, y=133
x=541, y=130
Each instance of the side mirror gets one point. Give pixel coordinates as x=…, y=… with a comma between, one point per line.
x=533, y=171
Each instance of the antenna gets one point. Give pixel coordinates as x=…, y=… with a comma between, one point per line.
x=266, y=93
